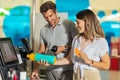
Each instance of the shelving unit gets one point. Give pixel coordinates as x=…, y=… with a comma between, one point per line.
x=115, y=62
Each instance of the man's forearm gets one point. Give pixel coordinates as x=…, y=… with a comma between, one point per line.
x=36, y=66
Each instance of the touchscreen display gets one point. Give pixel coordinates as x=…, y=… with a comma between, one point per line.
x=8, y=51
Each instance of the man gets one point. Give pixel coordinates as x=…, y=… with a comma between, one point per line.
x=55, y=39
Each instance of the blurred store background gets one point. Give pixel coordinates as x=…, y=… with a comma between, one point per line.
x=18, y=20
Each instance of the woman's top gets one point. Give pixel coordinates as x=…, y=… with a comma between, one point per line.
x=94, y=50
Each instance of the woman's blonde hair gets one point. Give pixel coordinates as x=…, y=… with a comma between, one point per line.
x=92, y=24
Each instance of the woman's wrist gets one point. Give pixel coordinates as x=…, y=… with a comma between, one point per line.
x=91, y=63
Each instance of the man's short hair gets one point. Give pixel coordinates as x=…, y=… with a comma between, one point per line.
x=47, y=5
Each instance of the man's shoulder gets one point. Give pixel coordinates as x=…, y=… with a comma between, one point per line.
x=67, y=21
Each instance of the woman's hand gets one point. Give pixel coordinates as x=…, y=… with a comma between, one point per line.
x=82, y=56
x=85, y=58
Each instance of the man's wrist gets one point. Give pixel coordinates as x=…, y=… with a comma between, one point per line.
x=65, y=49
x=35, y=71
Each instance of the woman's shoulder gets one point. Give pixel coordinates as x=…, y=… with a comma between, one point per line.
x=100, y=40
x=77, y=36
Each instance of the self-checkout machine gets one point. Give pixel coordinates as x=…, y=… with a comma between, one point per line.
x=10, y=59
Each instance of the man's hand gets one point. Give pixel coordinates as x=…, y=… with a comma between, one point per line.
x=34, y=76
x=60, y=49
x=43, y=62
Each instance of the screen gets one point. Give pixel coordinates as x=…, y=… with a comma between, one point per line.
x=8, y=52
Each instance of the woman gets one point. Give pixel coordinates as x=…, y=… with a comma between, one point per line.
x=92, y=47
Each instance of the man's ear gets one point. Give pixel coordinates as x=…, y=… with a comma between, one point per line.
x=56, y=12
